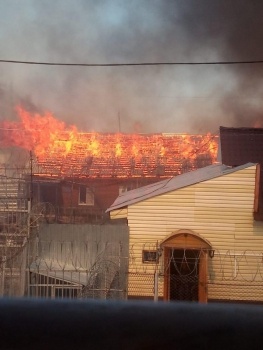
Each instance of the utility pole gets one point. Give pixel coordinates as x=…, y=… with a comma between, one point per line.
x=119, y=121
x=156, y=274
x=29, y=206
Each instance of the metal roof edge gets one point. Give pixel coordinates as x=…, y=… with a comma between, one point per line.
x=180, y=181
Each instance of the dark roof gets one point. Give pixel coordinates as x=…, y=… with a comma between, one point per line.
x=241, y=145
x=174, y=183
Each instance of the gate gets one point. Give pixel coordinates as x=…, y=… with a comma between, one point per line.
x=185, y=266
x=184, y=274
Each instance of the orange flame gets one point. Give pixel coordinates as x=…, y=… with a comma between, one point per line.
x=52, y=141
x=36, y=132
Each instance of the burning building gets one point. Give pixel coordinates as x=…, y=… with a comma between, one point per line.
x=60, y=175
x=75, y=176
x=81, y=177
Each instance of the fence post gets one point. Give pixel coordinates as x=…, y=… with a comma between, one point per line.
x=155, y=285
x=2, y=291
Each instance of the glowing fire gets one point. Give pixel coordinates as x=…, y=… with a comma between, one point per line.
x=36, y=132
x=63, y=146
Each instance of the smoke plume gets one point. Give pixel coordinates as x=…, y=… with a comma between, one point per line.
x=134, y=99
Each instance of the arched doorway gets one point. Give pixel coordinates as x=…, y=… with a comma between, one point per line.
x=185, y=266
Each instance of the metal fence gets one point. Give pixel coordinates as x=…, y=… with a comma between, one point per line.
x=68, y=261
x=141, y=285
x=106, y=281
x=91, y=261
x=144, y=286
x=83, y=261
x=13, y=273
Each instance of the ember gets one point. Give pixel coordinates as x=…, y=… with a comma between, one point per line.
x=62, y=150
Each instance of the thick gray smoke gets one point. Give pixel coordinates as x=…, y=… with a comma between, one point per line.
x=134, y=99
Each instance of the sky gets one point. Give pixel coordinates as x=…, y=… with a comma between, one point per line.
x=145, y=99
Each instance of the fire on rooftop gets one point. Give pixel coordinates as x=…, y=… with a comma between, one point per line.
x=63, y=151
x=76, y=176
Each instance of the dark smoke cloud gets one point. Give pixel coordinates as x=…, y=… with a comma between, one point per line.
x=134, y=99
x=235, y=28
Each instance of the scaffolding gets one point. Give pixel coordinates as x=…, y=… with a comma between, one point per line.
x=14, y=225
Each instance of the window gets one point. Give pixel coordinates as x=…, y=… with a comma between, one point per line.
x=122, y=189
x=149, y=256
x=125, y=188
x=86, y=196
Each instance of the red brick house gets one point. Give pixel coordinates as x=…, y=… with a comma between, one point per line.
x=80, y=179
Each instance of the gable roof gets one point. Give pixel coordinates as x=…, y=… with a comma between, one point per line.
x=174, y=183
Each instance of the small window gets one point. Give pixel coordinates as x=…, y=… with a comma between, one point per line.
x=125, y=188
x=122, y=189
x=86, y=196
x=149, y=256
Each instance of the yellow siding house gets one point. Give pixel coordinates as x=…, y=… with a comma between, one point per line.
x=193, y=237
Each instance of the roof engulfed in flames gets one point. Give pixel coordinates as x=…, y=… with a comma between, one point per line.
x=63, y=151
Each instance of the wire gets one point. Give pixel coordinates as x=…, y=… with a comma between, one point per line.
x=132, y=64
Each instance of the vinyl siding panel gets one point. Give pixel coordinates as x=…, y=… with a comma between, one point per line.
x=118, y=213
x=219, y=210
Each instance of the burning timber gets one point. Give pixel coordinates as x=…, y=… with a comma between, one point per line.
x=125, y=155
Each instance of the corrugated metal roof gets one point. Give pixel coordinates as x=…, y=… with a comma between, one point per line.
x=174, y=183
